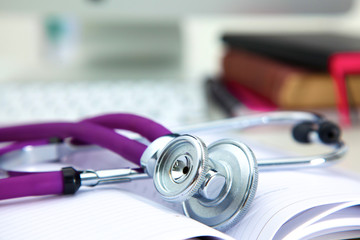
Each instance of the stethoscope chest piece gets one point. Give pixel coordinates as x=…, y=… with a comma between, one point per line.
x=234, y=171
x=181, y=168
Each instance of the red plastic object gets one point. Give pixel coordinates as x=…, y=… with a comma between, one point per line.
x=249, y=98
x=340, y=65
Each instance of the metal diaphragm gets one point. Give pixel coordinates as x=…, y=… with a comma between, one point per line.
x=181, y=168
x=237, y=163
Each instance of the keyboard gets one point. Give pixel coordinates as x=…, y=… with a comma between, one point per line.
x=169, y=102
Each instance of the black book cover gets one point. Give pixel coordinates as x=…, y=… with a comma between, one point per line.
x=306, y=50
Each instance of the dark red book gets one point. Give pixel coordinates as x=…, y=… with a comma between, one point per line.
x=336, y=54
x=285, y=85
x=311, y=51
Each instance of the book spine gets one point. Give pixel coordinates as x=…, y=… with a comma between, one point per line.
x=260, y=74
x=250, y=99
x=284, y=85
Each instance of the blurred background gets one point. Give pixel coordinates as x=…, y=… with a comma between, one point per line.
x=66, y=60
x=97, y=39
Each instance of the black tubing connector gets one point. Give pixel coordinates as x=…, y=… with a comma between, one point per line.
x=71, y=179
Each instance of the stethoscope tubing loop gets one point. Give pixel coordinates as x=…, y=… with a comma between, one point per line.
x=253, y=120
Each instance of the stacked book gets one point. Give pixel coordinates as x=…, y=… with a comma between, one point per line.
x=286, y=71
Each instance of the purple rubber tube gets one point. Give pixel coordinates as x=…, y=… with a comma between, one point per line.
x=147, y=128
x=143, y=126
x=93, y=130
x=52, y=182
x=85, y=131
x=36, y=184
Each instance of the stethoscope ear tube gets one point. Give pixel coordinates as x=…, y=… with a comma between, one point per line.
x=320, y=160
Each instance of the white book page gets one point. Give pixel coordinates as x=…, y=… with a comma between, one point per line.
x=283, y=194
x=313, y=219
x=342, y=219
x=339, y=235
x=104, y=213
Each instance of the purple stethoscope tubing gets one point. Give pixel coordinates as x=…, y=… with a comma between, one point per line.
x=97, y=130
x=145, y=127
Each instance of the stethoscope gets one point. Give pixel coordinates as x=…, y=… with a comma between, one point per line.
x=215, y=184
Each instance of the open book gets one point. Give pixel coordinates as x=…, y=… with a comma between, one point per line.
x=299, y=204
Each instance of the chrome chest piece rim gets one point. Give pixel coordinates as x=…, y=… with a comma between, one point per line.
x=237, y=163
x=181, y=168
